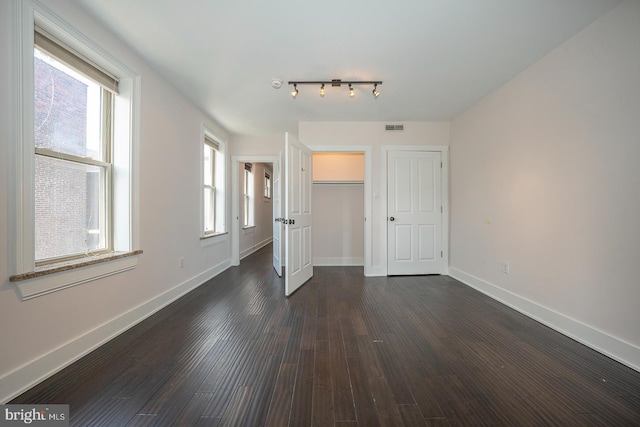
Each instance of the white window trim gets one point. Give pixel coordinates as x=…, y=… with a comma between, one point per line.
x=221, y=189
x=126, y=221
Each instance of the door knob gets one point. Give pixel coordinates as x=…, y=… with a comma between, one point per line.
x=392, y=219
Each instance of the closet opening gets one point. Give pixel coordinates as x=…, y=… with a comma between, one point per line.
x=338, y=207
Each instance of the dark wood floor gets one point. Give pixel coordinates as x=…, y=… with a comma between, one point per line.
x=344, y=350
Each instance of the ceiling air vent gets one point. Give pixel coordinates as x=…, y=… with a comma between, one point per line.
x=394, y=128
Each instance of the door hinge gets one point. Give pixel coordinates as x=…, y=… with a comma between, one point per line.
x=440, y=165
x=441, y=254
x=441, y=209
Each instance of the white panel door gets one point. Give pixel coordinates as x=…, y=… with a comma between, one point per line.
x=276, y=188
x=414, y=221
x=299, y=264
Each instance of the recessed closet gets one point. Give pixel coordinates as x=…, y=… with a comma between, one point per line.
x=338, y=209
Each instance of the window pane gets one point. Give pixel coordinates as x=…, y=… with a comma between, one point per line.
x=69, y=208
x=209, y=159
x=67, y=116
x=246, y=211
x=267, y=186
x=209, y=210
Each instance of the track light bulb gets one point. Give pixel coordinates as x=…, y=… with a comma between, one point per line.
x=352, y=93
x=294, y=92
x=375, y=91
x=322, y=90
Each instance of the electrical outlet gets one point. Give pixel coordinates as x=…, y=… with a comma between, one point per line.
x=181, y=262
x=505, y=267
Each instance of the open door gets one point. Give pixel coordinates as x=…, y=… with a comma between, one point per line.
x=297, y=222
x=277, y=215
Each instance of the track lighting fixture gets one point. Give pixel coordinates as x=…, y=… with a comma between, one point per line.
x=336, y=83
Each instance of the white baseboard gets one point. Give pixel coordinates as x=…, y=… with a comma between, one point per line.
x=23, y=378
x=615, y=348
x=377, y=271
x=248, y=251
x=337, y=262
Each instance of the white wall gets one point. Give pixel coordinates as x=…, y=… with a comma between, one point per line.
x=544, y=175
x=261, y=234
x=41, y=335
x=373, y=134
x=345, y=167
x=268, y=145
x=338, y=224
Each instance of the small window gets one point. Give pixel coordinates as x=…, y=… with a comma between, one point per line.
x=248, y=195
x=73, y=126
x=210, y=150
x=267, y=185
x=213, y=187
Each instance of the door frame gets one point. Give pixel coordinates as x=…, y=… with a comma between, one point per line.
x=444, y=152
x=367, y=150
x=235, y=200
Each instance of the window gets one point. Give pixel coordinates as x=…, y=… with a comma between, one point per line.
x=213, y=194
x=267, y=185
x=73, y=123
x=210, y=154
x=248, y=195
x=76, y=193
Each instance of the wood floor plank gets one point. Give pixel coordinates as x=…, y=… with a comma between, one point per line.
x=301, y=405
x=236, y=412
x=192, y=412
x=349, y=339
x=394, y=367
x=411, y=416
x=280, y=407
x=385, y=402
x=363, y=399
x=322, y=387
x=343, y=404
x=344, y=350
x=367, y=353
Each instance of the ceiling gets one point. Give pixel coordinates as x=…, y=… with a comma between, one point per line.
x=436, y=57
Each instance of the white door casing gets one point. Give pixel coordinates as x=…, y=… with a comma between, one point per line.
x=414, y=212
x=236, y=199
x=298, y=222
x=276, y=186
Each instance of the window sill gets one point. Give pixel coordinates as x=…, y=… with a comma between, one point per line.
x=51, y=278
x=212, y=239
